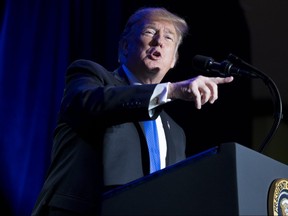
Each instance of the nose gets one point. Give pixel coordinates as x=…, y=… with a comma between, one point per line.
x=158, y=40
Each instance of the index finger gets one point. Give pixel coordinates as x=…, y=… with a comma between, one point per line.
x=221, y=80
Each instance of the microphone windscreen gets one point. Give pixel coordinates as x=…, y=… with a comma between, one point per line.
x=201, y=62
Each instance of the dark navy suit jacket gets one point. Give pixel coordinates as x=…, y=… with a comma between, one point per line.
x=98, y=140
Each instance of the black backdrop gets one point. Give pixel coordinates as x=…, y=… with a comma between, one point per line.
x=39, y=39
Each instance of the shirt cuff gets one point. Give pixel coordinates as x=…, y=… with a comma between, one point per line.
x=158, y=97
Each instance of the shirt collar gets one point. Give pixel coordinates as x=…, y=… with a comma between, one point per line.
x=132, y=79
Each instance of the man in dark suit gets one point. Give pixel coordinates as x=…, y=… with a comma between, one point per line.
x=100, y=141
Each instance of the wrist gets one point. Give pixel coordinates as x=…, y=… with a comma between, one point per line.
x=171, y=90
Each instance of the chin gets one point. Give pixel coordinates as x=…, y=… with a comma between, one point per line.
x=154, y=70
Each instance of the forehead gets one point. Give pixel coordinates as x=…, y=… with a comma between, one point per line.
x=157, y=24
x=160, y=24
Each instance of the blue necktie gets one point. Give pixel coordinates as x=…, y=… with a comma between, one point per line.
x=153, y=145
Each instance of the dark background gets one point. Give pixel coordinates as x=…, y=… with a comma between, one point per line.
x=39, y=39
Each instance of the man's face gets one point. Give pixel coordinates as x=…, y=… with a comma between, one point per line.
x=151, y=50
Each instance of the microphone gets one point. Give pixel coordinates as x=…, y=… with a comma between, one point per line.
x=224, y=68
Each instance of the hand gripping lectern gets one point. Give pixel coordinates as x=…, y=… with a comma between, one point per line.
x=227, y=180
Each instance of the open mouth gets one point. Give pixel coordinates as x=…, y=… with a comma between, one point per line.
x=154, y=54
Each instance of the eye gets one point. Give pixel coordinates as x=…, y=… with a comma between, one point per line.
x=169, y=37
x=149, y=31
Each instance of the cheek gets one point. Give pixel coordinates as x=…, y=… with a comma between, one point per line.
x=136, y=47
x=174, y=60
x=173, y=57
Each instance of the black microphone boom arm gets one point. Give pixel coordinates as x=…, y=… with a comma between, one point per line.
x=234, y=66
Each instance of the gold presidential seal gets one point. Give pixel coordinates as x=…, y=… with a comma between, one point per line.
x=278, y=197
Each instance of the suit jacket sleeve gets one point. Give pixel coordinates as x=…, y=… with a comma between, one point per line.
x=93, y=94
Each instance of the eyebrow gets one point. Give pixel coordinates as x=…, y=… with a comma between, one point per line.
x=152, y=25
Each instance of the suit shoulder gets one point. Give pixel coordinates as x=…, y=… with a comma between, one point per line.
x=85, y=64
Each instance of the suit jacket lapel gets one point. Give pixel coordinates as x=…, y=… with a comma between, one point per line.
x=120, y=75
x=170, y=158
x=144, y=148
